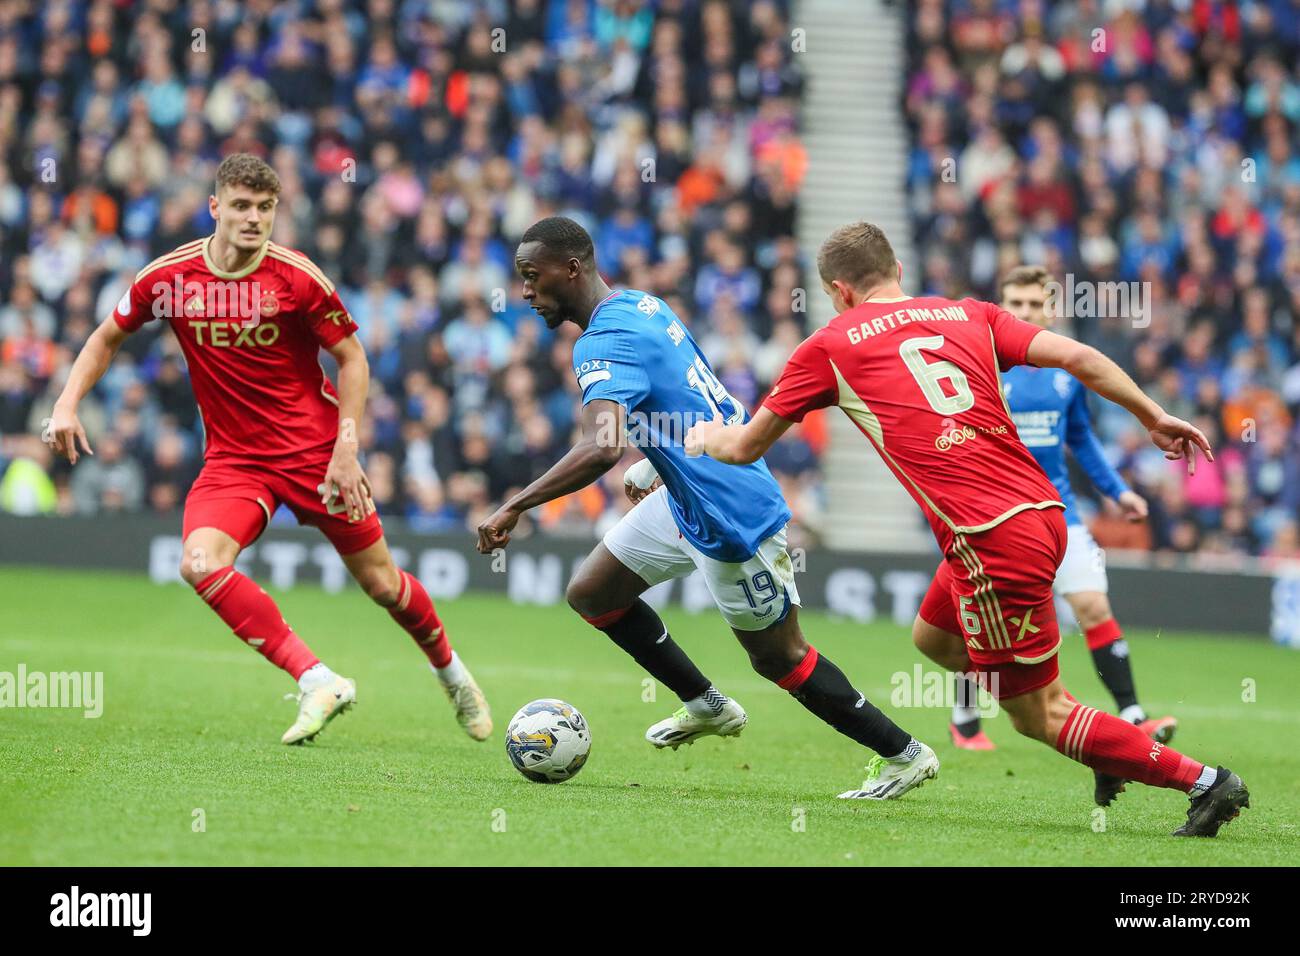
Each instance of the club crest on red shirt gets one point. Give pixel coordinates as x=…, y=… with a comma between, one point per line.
x=269, y=304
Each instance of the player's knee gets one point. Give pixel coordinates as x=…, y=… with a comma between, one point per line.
x=773, y=663
x=1091, y=608
x=775, y=656
x=382, y=585
x=380, y=580
x=582, y=598
x=188, y=573
x=201, y=556
x=924, y=638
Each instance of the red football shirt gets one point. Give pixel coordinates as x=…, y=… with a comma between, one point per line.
x=920, y=378
x=252, y=342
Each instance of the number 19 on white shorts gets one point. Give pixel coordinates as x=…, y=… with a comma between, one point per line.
x=751, y=595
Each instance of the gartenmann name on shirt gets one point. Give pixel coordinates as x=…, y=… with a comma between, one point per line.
x=858, y=333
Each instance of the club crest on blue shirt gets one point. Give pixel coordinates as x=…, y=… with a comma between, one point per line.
x=1061, y=381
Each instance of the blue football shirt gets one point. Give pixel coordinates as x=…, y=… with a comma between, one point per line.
x=1050, y=409
x=636, y=352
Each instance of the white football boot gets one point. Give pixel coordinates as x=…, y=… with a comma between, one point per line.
x=472, y=712
x=318, y=706
x=682, y=728
x=887, y=780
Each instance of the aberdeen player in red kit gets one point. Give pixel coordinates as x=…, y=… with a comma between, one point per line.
x=920, y=377
x=251, y=318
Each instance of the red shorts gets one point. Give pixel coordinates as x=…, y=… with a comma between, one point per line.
x=994, y=589
x=238, y=496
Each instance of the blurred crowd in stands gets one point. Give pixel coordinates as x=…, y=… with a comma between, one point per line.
x=415, y=142
x=1142, y=142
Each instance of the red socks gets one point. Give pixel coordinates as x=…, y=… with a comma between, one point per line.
x=1116, y=747
x=1107, y=632
x=253, y=616
x=415, y=612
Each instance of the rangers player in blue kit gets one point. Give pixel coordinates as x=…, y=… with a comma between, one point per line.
x=1050, y=410
x=644, y=382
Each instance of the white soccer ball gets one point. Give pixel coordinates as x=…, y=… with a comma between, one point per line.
x=548, y=741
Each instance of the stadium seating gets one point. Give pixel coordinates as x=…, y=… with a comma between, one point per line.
x=1150, y=142
x=415, y=143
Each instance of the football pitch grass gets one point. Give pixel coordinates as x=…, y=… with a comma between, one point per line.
x=185, y=766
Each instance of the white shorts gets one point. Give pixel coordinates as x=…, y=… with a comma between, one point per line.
x=752, y=595
x=1084, y=566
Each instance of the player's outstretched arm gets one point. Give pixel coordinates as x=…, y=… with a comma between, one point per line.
x=344, y=471
x=603, y=442
x=1175, y=437
x=1092, y=457
x=736, y=444
x=92, y=362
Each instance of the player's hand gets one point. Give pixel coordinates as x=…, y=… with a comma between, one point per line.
x=1133, y=506
x=495, y=530
x=635, y=494
x=700, y=434
x=640, y=480
x=1179, y=439
x=348, y=481
x=62, y=432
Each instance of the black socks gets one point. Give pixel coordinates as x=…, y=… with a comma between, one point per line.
x=642, y=634
x=1116, y=673
x=823, y=689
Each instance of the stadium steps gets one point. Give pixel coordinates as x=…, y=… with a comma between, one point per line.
x=857, y=152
